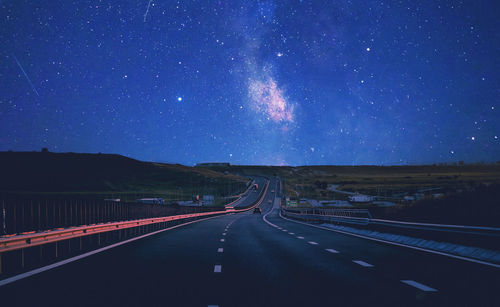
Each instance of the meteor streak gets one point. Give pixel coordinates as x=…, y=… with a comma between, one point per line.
x=26, y=75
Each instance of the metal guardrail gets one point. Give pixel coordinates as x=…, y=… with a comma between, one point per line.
x=246, y=191
x=239, y=196
x=31, y=239
x=462, y=229
x=34, y=239
x=364, y=213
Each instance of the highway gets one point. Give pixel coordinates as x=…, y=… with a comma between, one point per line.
x=251, y=196
x=249, y=259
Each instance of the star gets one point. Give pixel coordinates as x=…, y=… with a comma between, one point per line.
x=368, y=49
x=179, y=99
x=279, y=54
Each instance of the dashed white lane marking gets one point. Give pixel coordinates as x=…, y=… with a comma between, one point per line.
x=419, y=285
x=222, y=240
x=220, y=250
x=283, y=230
x=362, y=263
x=395, y=243
x=312, y=243
x=302, y=238
x=218, y=268
x=224, y=234
x=332, y=251
x=291, y=233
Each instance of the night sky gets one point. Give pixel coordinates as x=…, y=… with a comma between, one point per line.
x=253, y=82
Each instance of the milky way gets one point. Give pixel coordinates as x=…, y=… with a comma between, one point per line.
x=267, y=98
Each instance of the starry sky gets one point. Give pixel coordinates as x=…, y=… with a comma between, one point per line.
x=253, y=82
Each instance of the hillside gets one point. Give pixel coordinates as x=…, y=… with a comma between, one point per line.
x=76, y=172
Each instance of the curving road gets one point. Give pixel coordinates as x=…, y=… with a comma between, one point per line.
x=250, y=259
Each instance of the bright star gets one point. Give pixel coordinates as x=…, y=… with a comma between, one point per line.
x=368, y=49
x=179, y=99
x=279, y=54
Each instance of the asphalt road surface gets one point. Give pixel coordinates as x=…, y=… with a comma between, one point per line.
x=251, y=196
x=246, y=260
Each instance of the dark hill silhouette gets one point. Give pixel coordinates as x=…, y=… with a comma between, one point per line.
x=46, y=171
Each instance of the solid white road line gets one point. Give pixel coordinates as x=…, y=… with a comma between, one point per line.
x=362, y=263
x=220, y=250
x=217, y=268
x=63, y=262
x=222, y=240
x=331, y=250
x=312, y=243
x=419, y=285
x=395, y=243
x=302, y=238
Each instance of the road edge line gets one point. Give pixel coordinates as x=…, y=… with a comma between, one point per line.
x=395, y=243
x=15, y=278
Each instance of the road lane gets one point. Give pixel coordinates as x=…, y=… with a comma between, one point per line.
x=457, y=281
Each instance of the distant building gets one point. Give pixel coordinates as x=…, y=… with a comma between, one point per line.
x=155, y=201
x=360, y=198
x=213, y=164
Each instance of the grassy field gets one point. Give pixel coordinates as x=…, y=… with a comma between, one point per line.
x=109, y=176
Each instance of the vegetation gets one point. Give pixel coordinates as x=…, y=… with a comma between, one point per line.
x=107, y=175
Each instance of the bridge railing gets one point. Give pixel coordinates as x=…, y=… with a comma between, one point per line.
x=487, y=237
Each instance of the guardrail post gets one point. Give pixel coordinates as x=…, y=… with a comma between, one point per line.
x=32, y=215
x=53, y=215
x=4, y=217
x=22, y=258
x=39, y=225
x=22, y=216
